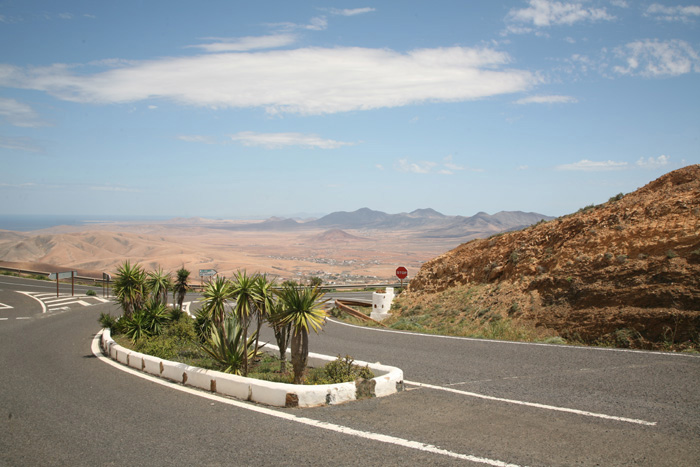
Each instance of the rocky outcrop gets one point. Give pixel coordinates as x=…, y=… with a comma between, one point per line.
x=631, y=264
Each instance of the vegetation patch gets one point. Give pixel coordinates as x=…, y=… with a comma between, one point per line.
x=224, y=336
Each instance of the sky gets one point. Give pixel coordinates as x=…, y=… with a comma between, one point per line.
x=230, y=109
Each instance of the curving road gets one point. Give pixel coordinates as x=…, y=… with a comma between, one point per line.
x=470, y=402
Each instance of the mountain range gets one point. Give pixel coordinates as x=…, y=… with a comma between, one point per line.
x=426, y=223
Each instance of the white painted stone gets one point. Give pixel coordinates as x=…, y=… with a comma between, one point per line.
x=381, y=304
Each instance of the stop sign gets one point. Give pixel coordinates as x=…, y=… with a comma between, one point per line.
x=401, y=272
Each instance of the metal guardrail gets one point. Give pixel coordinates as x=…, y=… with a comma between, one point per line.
x=100, y=281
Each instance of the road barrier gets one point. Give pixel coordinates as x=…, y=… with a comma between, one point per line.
x=388, y=381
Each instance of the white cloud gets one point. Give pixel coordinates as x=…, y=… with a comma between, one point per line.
x=545, y=13
x=281, y=140
x=243, y=44
x=653, y=58
x=446, y=167
x=547, y=100
x=351, y=11
x=592, y=166
x=416, y=167
x=653, y=163
x=451, y=166
x=19, y=144
x=197, y=139
x=685, y=14
x=309, y=81
x=18, y=114
x=318, y=23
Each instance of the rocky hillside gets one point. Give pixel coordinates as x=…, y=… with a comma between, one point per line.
x=629, y=267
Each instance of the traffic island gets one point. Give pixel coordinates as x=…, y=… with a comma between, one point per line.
x=389, y=380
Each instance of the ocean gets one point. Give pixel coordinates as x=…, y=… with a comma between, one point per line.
x=27, y=223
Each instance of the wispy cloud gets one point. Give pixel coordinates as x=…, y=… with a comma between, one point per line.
x=281, y=140
x=546, y=13
x=197, y=139
x=547, y=100
x=19, y=114
x=20, y=144
x=653, y=163
x=423, y=167
x=593, y=166
x=654, y=58
x=685, y=14
x=243, y=44
x=309, y=81
x=318, y=23
x=350, y=11
x=445, y=167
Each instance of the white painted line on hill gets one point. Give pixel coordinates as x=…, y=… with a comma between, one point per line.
x=417, y=445
x=533, y=404
x=536, y=344
x=29, y=294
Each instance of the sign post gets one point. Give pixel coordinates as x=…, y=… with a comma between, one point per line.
x=205, y=273
x=401, y=273
x=64, y=275
x=105, y=283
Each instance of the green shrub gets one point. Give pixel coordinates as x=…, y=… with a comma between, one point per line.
x=157, y=346
x=340, y=370
x=107, y=321
x=91, y=293
x=617, y=197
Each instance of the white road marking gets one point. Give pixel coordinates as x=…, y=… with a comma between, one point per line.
x=62, y=304
x=49, y=301
x=29, y=294
x=4, y=319
x=303, y=420
x=533, y=404
x=24, y=317
x=5, y=307
x=538, y=344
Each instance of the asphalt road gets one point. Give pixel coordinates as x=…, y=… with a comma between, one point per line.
x=487, y=402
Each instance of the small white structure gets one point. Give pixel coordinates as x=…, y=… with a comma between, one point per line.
x=381, y=304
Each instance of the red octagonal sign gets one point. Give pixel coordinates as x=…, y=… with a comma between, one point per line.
x=401, y=272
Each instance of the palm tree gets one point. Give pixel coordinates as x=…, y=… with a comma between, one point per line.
x=282, y=331
x=264, y=302
x=214, y=299
x=243, y=290
x=159, y=282
x=180, y=287
x=130, y=287
x=303, y=309
x=226, y=345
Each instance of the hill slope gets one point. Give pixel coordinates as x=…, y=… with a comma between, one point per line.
x=629, y=267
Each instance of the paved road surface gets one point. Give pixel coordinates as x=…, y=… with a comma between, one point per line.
x=496, y=402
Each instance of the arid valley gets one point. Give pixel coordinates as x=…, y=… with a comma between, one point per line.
x=363, y=246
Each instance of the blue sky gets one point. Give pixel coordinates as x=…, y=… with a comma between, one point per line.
x=251, y=109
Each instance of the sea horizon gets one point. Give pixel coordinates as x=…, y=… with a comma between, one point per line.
x=31, y=222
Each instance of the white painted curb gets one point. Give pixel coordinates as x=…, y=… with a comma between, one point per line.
x=388, y=381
